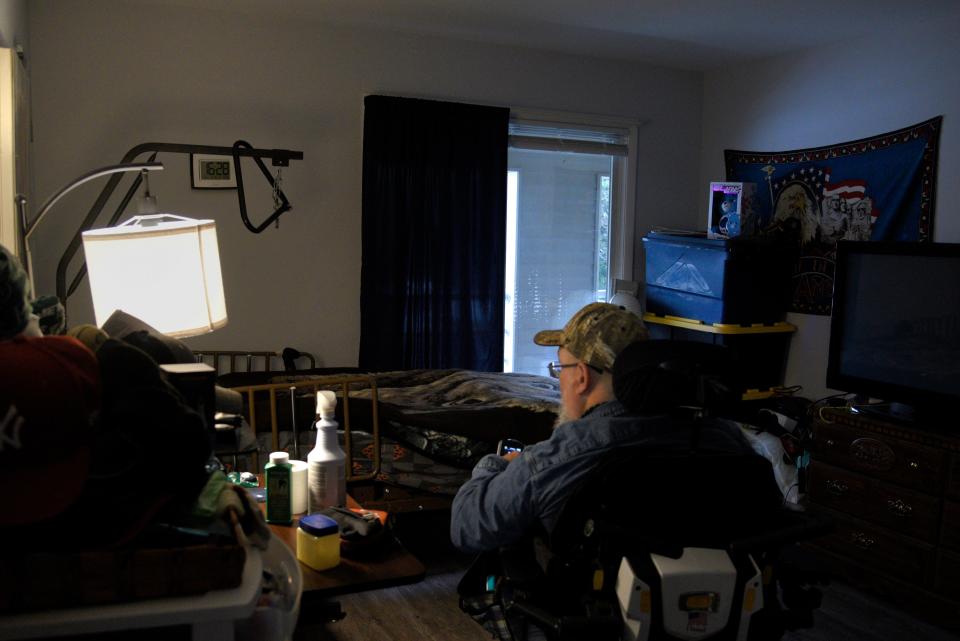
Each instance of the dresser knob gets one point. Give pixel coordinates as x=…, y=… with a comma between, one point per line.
x=899, y=508
x=861, y=540
x=837, y=488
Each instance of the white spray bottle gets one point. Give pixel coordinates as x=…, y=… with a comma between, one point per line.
x=325, y=463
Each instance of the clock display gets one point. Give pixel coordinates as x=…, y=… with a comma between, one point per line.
x=212, y=172
x=215, y=169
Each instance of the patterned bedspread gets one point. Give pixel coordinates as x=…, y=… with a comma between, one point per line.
x=441, y=390
x=438, y=390
x=454, y=416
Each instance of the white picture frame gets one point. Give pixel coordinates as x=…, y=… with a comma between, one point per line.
x=208, y=171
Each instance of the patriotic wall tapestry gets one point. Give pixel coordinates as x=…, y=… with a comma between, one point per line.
x=879, y=188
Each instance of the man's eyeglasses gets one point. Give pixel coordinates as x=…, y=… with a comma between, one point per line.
x=554, y=368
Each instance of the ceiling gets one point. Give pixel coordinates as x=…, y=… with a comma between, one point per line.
x=686, y=34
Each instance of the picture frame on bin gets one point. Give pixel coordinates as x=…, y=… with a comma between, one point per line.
x=731, y=211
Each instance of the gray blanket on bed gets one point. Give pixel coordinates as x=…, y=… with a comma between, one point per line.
x=454, y=414
x=433, y=390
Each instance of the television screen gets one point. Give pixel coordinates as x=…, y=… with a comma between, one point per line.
x=895, y=331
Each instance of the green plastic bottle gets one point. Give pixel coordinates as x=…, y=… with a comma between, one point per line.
x=279, y=490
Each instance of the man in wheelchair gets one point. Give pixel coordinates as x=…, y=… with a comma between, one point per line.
x=642, y=516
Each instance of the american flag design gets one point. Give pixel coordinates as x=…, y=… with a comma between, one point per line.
x=877, y=188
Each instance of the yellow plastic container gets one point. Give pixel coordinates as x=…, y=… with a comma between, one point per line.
x=318, y=542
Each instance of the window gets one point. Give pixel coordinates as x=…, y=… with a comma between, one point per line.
x=569, y=234
x=14, y=139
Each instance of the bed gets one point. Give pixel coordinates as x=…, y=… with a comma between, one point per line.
x=411, y=437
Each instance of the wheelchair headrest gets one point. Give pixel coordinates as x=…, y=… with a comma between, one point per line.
x=657, y=376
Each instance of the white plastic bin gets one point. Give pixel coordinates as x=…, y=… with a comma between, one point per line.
x=276, y=622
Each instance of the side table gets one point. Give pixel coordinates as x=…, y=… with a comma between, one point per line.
x=387, y=565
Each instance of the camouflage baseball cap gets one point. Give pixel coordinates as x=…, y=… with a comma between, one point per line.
x=596, y=334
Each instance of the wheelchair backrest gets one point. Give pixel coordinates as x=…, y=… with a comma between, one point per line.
x=649, y=499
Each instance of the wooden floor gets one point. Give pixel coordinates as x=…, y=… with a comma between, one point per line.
x=850, y=615
x=428, y=610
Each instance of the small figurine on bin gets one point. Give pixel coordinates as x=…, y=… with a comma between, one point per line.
x=731, y=210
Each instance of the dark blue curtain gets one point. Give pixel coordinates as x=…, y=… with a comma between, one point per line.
x=434, y=235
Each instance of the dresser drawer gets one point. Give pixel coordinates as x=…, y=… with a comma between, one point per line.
x=890, y=459
x=947, y=578
x=953, y=477
x=897, y=508
x=880, y=550
x=950, y=530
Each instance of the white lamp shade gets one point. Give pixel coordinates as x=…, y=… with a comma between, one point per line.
x=163, y=269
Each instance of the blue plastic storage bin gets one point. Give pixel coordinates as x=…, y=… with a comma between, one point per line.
x=735, y=281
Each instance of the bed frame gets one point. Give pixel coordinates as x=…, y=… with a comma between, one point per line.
x=231, y=361
x=365, y=488
x=343, y=385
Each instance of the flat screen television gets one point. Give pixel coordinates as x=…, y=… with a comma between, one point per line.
x=895, y=330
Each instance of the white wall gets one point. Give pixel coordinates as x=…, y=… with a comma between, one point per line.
x=13, y=23
x=107, y=76
x=845, y=92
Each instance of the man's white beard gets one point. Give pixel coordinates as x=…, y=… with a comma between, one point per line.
x=562, y=417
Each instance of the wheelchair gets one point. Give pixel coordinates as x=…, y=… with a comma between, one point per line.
x=688, y=538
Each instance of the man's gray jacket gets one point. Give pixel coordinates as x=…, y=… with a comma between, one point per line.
x=503, y=501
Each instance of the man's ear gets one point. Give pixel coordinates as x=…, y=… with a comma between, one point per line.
x=584, y=380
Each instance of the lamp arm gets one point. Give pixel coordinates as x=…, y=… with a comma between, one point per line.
x=121, y=207
x=31, y=226
x=87, y=177
x=279, y=157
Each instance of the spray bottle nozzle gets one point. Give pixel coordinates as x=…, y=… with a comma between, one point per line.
x=326, y=403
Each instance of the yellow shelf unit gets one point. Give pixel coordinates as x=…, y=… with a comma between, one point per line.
x=763, y=346
x=719, y=328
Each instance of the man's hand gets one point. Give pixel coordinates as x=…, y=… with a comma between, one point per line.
x=509, y=456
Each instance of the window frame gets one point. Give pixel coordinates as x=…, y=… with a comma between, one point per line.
x=623, y=178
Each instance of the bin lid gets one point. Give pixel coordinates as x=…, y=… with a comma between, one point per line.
x=318, y=525
x=747, y=243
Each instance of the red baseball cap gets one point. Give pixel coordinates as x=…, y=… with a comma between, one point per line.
x=49, y=391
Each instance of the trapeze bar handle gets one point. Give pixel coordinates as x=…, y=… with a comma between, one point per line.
x=241, y=197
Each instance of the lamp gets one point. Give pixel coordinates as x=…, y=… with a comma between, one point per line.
x=625, y=294
x=162, y=268
x=205, y=270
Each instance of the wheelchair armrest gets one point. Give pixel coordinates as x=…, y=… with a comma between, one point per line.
x=794, y=527
x=598, y=621
x=538, y=615
x=519, y=566
x=231, y=435
x=224, y=421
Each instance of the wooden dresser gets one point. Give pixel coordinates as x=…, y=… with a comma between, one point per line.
x=894, y=492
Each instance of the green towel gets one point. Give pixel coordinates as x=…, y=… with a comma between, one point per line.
x=208, y=501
